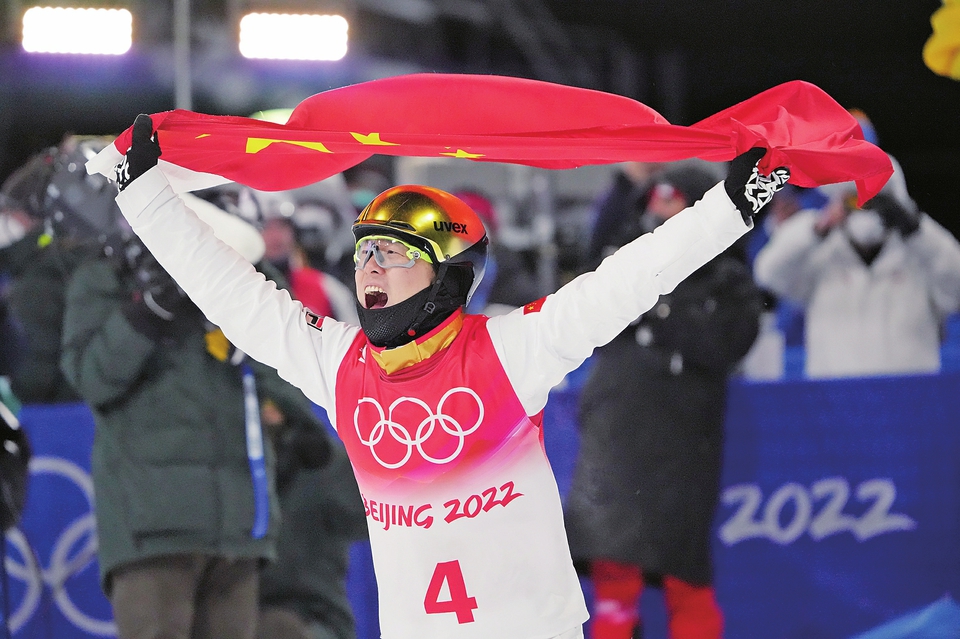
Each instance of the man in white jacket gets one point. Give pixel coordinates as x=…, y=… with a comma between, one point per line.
x=876, y=282
x=441, y=411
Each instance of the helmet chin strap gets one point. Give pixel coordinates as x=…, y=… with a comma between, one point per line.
x=430, y=305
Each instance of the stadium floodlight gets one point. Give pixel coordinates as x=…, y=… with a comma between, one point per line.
x=277, y=116
x=284, y=36
x=77, y=30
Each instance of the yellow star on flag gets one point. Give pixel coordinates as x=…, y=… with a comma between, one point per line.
x=255, y=145
x=372, y=139
x=463, y=154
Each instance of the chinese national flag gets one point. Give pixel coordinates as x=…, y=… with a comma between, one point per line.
x=503, y=119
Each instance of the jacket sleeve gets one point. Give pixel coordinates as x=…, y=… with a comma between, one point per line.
x=786, y=265
x=254, y=314
x=102, y=355
x=939, y=253
x=539, y=347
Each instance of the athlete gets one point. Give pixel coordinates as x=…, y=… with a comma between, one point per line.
x=440, y=411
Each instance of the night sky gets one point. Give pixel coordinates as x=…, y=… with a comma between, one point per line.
x=687, y=59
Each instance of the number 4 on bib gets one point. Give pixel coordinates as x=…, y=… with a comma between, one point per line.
x=459, y=602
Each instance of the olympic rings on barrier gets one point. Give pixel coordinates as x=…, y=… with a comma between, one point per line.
x=73, y=551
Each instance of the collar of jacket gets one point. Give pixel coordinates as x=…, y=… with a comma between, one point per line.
x=392, y=360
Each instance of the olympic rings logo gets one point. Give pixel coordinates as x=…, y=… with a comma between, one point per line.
x=73, y=552
x=424, y=430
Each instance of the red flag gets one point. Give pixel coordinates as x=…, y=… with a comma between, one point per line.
x=503, y=119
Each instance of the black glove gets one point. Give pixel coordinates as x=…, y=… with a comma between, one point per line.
x=158, y=306
x=145, y=321
x=154, y=287
x=142, y=155
x=166, y=300
x=162, y=312
x=749, y=190
x=894, y=214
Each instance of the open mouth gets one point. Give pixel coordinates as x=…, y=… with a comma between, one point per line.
x=374, y=297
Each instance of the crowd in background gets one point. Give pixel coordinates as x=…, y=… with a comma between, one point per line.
x=860, y=290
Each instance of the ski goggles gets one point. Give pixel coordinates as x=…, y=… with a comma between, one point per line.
x=388, y=252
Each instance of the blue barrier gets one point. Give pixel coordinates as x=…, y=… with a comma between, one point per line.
x=52, y=574
x=840, y=512
x=939, y=620
x=841, y=507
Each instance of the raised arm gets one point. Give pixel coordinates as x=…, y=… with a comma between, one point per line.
x=261, y=320
x=539, y=347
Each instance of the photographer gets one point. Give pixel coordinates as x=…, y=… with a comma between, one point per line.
x=183, y=472
x=876, y=283
x=38, y=252
x=303, y=594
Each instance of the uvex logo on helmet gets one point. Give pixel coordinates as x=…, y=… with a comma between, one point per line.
x=450, y=227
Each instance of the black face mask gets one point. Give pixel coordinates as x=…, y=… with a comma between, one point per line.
x=392, y=326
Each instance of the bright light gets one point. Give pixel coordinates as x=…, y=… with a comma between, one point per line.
x=282, y=36
x=277, y=116
x=68, y=30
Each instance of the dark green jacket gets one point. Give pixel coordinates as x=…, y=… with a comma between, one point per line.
x=38, y=274
x=169, y=462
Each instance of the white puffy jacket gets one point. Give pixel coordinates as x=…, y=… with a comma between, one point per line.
x=881, y=319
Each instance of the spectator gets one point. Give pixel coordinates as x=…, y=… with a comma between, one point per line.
x=620, y=210
x=440, y=411
x=41, y=251
x=876, y=283
x=324, y=237
x=647, y=477
x=367, y=179
x=303, y=594
x=781, y=324
x=508, y=282
x=186, y=509
x=14, y=225
x=781, y=339
x=321, y=293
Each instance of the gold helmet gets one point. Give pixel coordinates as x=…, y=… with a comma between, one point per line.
x=443, y=226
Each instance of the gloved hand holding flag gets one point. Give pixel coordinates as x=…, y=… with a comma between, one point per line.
x=502, y=119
